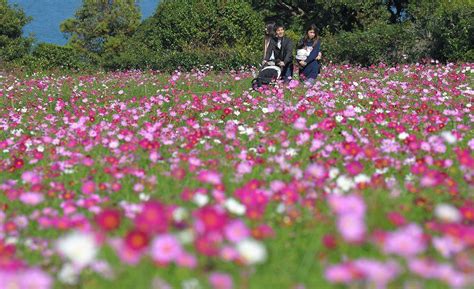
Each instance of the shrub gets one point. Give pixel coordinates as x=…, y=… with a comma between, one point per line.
x=51, y=55
x=381, y=42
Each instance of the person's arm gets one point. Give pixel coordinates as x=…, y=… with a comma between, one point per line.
x=289, y=52
x=314, y=53
x=270, y=49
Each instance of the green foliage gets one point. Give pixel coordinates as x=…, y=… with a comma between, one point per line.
x=12, y=44
x=294, y=36
x=59, y=56
x=387, y=43
x=330, y=16
x=100, y=27
x=448, y=27
x=187, y=34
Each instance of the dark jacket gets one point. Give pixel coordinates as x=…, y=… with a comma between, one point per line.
x=285, y=53
x=311, y=70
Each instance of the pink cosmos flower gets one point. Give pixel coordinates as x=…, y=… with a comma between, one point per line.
x=154, y=217
x=302, y=138
x=354, y=168
x=31, y=198
x=317, y=171
x=293, y=84
x=300, y=124
x=236, y=231
x=407, y=241
x=350, y=204
x=31, y=178
x=220, y=280
x=448, y=246
x=352, y=228
x=341, y=273
x=423, y=267
x=28, y=278
x=210, y=219
x=376, y=272
x=165, y=248
x=186, y=260
x=88, y=187
x=210, y=177
x=126, y=254
x=229, y=253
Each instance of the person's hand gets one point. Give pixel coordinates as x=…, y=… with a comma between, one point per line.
x=264, y=62
x=319, y=56
x=302, y=63
x=281, y=63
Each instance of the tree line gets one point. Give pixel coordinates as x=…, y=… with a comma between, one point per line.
x=228, y=34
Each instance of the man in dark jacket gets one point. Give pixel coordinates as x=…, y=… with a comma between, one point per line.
x=281, y=52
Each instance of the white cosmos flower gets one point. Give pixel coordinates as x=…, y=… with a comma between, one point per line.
x=233, y=206
x=179, y=214
x=403, y=136
x=185, y=236
x=447, y=213
x=448, y=137
x=78, y=247
x=190, y=284
x=333, y=173
x=114, y=144
x=280, y=208
x=291, y=152
x=68, y=274
x=361, y=178
x=252, y=251
x=345, y=183
x=201, y=199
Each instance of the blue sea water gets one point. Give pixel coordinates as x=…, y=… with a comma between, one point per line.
x=48, y=14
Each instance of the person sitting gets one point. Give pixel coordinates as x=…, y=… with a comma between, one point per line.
x=268, y=53
x=280, y=51
x=308, y=55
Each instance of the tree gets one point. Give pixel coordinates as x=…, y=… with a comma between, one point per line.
x=331, y=16
x=447, y=26
x=190, y=33
x=12, y=44
x=99, y=27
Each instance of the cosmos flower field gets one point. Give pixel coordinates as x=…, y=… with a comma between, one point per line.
x=192, y=180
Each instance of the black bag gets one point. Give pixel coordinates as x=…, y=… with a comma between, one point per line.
x=266, y=76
